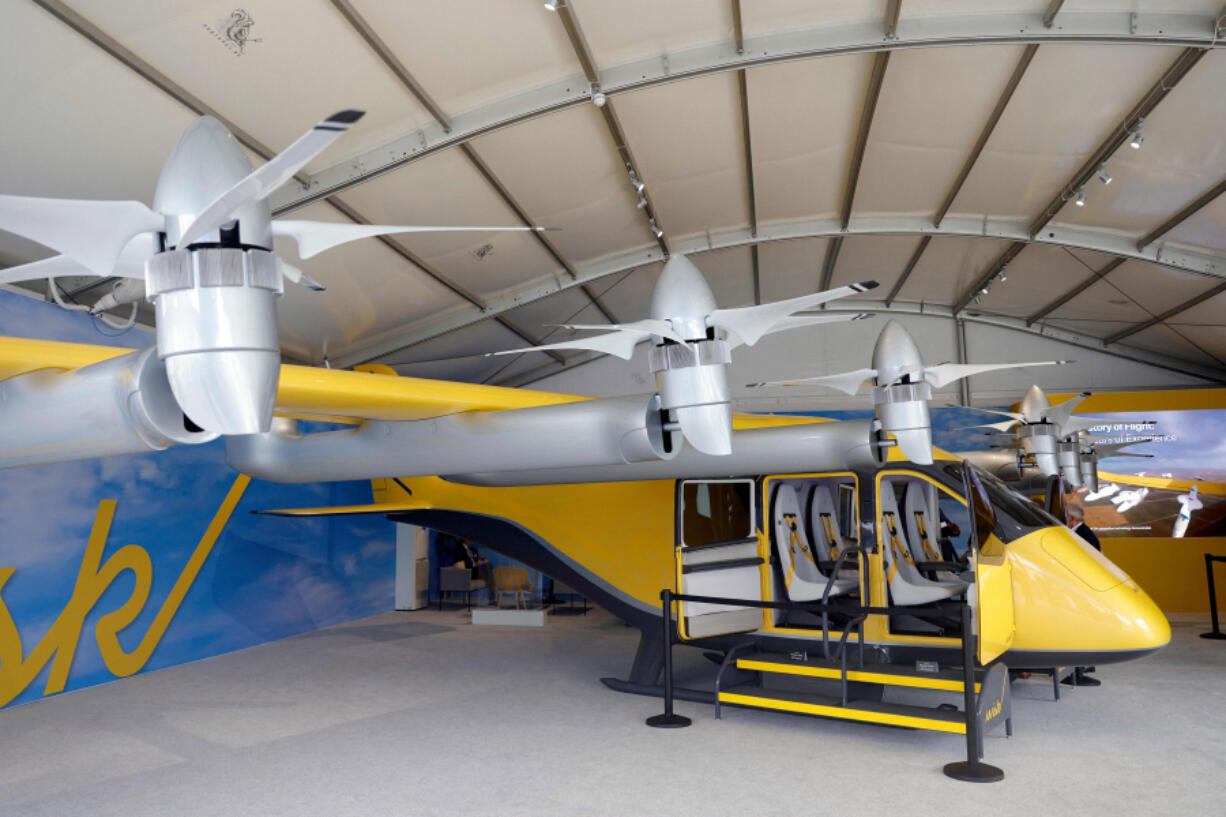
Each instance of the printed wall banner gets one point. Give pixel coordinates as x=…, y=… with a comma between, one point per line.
x=1177, y=491
x=114, y=566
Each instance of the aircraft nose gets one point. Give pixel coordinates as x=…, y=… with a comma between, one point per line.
x=1145, y=626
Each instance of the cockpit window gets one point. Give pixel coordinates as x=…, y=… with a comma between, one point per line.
x=1016, y=515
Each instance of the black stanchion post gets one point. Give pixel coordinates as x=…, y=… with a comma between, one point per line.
x=668, y=720
x=972, y=770
x=1216, y=632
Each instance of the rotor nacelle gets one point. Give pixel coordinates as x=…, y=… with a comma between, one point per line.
x=216, y=299
x=901, y=395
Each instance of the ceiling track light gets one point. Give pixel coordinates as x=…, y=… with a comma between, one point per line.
x=1103, y=174
x=1137, y=136
x=552, y=5
x=1080, y=201
x=984, y=290
x=655, y=228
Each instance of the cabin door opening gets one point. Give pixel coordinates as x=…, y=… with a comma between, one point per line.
x=717, y=555
x=814, y=528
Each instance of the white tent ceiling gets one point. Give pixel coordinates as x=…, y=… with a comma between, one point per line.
x=824, y=151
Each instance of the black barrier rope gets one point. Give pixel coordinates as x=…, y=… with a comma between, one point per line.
x=1216, y=633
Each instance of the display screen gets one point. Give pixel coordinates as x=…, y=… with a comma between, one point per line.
x=1178, y=490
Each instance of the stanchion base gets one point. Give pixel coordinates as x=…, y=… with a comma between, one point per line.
x=973, y=773
x=666, y=721
x=1214, y=636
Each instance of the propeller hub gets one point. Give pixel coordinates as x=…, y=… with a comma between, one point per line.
x=895, y=356
x=206, y=162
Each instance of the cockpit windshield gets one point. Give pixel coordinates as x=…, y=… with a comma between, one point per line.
x=1016, y=515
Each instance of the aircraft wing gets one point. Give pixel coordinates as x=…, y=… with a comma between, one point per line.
x=310, y=392
x=379, y=508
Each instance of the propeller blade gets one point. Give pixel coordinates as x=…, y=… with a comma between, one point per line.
x=654, y=326
x=1002, y=426
x=750, y=323
x=1116, y=450
x=297, y=276
x=800, y=321
x=93, y=233
x=848, y=382
x=945, y=373
x=619, y=344
x=1060, y=414
x=1021, y=418
x=314, y=237
x=1075, y=425
x=270, y=175
x=915, y=444
x=708, y=428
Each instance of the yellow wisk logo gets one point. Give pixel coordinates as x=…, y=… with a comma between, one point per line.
x=59, y=645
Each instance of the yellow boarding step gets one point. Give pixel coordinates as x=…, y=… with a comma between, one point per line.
x=885, y=674
x=914, y=717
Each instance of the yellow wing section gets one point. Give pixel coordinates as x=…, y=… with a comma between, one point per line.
x=314, y=393
x=308, y=391
x=346, y=510
x=21, y=355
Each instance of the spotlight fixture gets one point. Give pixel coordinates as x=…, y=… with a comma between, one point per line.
x=1080, y=201
x=638, y=186
x=1137, y=136
x=984, y=290
x=655, y=228
x=552, y=5
x=1103, y=174
x=599, y=99
x=1000, y=276
x=642, y=201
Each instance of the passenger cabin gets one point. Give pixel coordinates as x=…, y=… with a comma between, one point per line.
x=898, y=537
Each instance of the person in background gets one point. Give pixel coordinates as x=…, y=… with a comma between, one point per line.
x=1076, y=513
x=463, y=553
x=1077, y=523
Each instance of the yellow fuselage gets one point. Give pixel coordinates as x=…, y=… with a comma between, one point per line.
x=1069, y=605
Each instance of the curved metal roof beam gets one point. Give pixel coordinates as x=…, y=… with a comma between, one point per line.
x=1114, y=27
x=1095, y=240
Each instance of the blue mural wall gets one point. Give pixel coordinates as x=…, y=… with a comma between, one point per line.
x=71, y=617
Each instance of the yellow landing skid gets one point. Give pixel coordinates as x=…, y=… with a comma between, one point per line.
x=913, y=717
x=884, y=674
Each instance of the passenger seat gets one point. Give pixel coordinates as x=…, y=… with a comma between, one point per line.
x=801, y=577
x=907, y=586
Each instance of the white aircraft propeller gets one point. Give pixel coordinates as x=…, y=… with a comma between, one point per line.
x=697, y=339
x=97, y=237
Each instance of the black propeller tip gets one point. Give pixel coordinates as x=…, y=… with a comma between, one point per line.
x=347, y=117
x=863, y=285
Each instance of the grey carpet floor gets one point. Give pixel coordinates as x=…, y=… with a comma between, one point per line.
x=423, y=714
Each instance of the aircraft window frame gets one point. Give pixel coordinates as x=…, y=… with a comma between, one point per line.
x=851, y=478
x=751, y=504
x=1016, y=514
x=941, y=486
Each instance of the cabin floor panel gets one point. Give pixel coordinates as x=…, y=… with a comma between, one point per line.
x=423, y=714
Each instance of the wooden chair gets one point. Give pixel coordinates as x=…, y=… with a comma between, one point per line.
x=516, y=581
